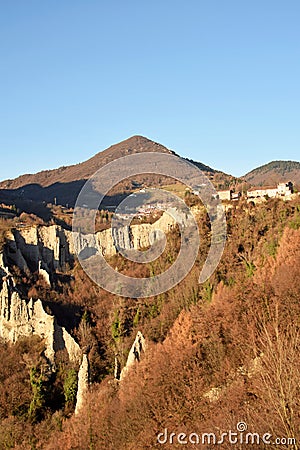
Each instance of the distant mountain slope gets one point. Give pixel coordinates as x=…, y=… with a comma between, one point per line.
x=274, y=172
x=64, y=184
x=84, y=170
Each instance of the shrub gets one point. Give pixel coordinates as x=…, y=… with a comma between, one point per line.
x=70, y=387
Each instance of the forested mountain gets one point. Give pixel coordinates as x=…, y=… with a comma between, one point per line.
x=275, y=172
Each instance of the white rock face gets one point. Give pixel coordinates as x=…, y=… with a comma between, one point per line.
x=122, y=236
x=21, y=318
x=134, y=356
x=83, y=383
x=49, y=248
x=134, y=236
x=28, y=246
x=54, y=246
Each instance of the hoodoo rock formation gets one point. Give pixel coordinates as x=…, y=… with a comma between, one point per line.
x=45, y=249
x=21, y=317
x=83, y=383
x=134, y=356
x=49, y=248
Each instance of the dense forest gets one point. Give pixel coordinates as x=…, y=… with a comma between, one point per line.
x=218, y=354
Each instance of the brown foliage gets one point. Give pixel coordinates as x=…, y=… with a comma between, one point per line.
x=217, y=354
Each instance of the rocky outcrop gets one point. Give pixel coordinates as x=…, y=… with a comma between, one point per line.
x=50, y=248
x=13, y=254
x=3, y=269
x=44, y=249
x=53, y=246
x=21, y=318
x=83, y=383
x=135, y=353
x=28, y=246
x=253, y=368
x=134, y=236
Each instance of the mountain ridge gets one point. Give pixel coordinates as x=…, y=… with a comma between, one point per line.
x=134, y=144
x=274, y=172
x=63, y=185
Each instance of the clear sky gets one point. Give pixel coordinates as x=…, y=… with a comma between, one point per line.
x=216, y=80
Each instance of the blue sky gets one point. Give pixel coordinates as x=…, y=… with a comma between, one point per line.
x=216, y=81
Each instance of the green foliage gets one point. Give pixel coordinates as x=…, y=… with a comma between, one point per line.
x=250, y=268
x=136, y=317
x=295, y=224
x=86, y=317
x=155, y=306
x=70, y=387
x=39, y=395
x=116, y=327
x=170, y=258
x=153, y=311
x=207, y=291
x=193, y=296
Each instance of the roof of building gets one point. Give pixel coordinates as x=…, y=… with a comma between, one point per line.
x=262, y=188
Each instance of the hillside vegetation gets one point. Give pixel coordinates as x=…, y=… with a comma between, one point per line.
x=217, y=354
x=275, y=172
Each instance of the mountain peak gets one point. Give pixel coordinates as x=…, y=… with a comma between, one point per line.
x=136, y=144
x=83, y=170
x=63, y=185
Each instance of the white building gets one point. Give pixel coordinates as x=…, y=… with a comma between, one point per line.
x=285, y=189
x=225, y=195
x=282, y=190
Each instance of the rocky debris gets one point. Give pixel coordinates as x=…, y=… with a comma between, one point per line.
x=214, y=394
x=83, y=383
x=253, y=368
x=134, y=356
x=246, y=371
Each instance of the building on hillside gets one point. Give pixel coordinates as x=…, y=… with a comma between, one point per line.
x=281, y=190
x=270, y=192
x=225, y=195
x=285, y=189
x=228, y=195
